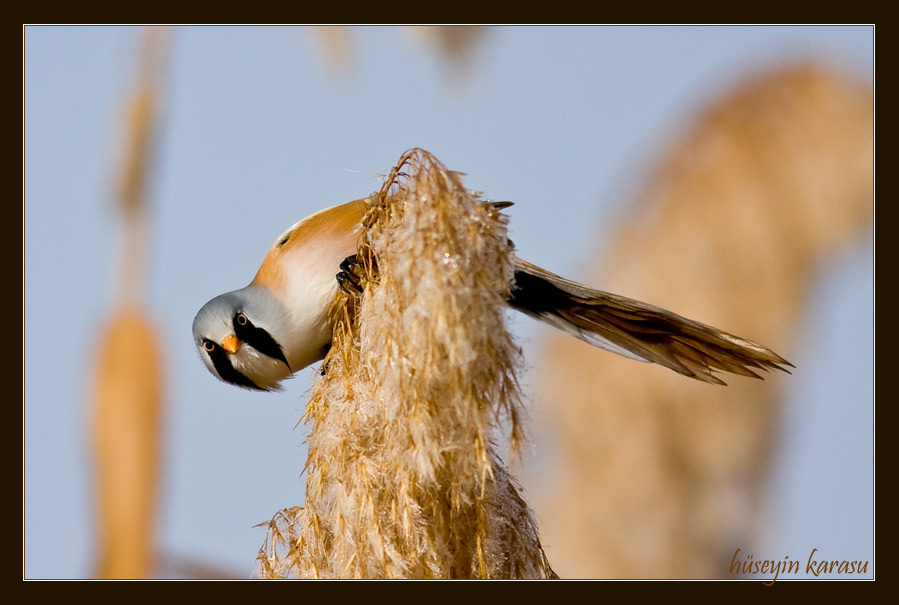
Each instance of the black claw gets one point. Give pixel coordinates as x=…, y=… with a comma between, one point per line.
x=349, y=264
x=348, y=283
x=348, y=278
x=352, y=273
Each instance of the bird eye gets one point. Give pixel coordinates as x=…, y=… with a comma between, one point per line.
x=209, y=346
x=242, y=319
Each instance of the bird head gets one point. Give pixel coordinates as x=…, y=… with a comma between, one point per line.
x=239, y=336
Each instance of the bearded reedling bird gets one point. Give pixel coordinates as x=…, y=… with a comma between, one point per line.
x=259, y=335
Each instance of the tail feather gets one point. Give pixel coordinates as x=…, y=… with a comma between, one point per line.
x=637, y=330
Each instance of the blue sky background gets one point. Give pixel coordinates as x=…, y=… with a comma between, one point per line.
x=258, y=133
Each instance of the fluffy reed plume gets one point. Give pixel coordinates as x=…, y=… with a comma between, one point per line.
x=404, y=480
x=656, y=476
x=127, y=389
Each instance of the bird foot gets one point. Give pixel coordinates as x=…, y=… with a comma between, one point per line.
x=349, y=279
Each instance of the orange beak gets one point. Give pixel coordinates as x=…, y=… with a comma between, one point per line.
x=231, y=343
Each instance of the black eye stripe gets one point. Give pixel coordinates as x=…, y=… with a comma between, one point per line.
x=258, y=338
x=222, y=365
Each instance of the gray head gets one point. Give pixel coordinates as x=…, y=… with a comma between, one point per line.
x=235, y=336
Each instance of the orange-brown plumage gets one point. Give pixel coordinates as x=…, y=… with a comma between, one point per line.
x=335, y=227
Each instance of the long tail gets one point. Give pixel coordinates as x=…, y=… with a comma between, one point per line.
x=635, y=329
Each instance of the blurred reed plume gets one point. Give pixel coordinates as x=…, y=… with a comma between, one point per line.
x=335, y=44
x=456, y=44
x=660, y=477
x=127, y=386
x=404, y=479
x=127, y=419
